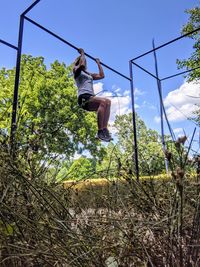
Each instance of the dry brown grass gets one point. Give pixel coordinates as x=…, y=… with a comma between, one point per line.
x=154, y=222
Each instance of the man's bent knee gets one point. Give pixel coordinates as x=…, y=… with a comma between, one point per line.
x=108, y=102
x=103, y=102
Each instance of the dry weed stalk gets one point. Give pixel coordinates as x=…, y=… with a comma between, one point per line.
x=123, y=223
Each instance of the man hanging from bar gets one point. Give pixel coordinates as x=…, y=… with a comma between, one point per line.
x=86, y=97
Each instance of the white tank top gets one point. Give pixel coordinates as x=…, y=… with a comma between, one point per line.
x=84, y=83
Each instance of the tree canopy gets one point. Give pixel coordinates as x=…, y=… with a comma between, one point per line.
x=193, y=61
x=151, y=158
x=49, y=120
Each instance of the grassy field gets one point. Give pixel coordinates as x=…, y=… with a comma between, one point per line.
x=121, y=222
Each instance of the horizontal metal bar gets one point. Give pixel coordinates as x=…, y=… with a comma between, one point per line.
x=73, y=46
x=174, y=40
x=50, y=32
x=145, y=70
x=30, y=7
x=8, y=44
x=183, y=72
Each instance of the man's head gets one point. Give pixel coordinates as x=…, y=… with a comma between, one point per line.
x=76, y=62
x=80, y=63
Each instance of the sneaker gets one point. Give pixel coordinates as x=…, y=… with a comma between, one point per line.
x=101, y=135
x=107, y=133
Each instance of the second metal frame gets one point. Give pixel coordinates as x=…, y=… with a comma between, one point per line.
x=132, y=62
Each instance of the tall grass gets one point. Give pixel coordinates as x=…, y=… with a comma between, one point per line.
x=122, y=223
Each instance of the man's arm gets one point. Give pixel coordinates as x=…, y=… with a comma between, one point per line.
x=100, y=75
x=80, y=62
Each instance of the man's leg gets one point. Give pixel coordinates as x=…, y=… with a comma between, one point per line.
x=100, y=105
x=107, y=113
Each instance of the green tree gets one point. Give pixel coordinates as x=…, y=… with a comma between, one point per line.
x=197, y=116
x=49, y=121
x=151, y=158
x=194, y=59
x=110, y=166
x=80, y=168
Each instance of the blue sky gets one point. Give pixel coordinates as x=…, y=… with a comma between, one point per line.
x=115, y=32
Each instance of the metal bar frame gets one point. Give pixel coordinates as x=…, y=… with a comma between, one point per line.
x=23, y=17
x=159, y=86
x=135, y=146
x=131, y=63
x=17, y=77
x=165, y=78
x=30, y=7
x=16, y=85
x=8, y=44
x=148, y=72
x=177, y=74
x=73, y=46
x=165, y=44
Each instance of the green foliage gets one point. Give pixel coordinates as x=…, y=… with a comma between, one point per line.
x=88, y=222
x=151, y=159
x=80, y=168
x=49, y=121
x=7, y=229
x=197, y=116
x=119, y=159
x=193, y=61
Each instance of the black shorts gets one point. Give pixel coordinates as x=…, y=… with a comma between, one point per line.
x=83, y=100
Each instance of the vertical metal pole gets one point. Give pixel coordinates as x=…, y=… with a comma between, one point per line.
x=16, y=86
x=134, y=121
x=161, y=103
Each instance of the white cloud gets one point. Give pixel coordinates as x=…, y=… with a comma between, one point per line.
x=127, y=92
x=181, y=103
x=178, y=131
x=116, y=90
x=137, y=106
x=119, y=104
x=98, y=87
x=138, y=92
x=146, y=104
